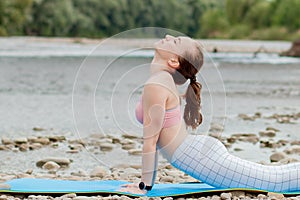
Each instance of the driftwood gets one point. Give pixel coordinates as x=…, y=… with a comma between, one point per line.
x=294, y=51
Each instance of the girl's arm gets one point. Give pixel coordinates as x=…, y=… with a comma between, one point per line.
x=154, y=100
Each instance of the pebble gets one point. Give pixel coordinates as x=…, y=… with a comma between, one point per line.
x=168, y=198
x=63, y=162
x=295, y=142
x=166, y=179
x=99, y=172
x=51, y=166
x=3, y=197
x=293, y=150
x=275, y=196
x=283, y=120
x=269, y=133
x=21, y=140
x=123, y=197
x=31, y=138
x=283, y=142
x=288, y=160
x=128, y=146
x=245, y=137
x=127, y=141
x=120, y=166
x=23, y=147
x=57, y=138
x=29, y=171
x=106, y=147
x=70, y=195
x=293, y=198
x=238, y=149
x=98, y=136
x=237, y=193
x=276, y=157
x=73, y=151
x=42, y=140
x=270, y=144
x=116, y=141
x=38, y=128
x=35, y=146
x=135, y=151
x=246, y=117
x=38, y=197
x=226, y=196
x=262, y=197
x=3, y=148
x=130, y=136
x=85, y=198
x=173, y=173
x=272, y=129
x=6, y=141
x=75, y=146
x=54, y=145
x=130, y=172
x=215, y=197
x=257, y=115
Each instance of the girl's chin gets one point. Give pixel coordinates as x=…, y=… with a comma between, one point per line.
x=159, y=42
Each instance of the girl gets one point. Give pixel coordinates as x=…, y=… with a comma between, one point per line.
x=177, y=60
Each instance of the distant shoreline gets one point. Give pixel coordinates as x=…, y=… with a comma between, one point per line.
x=210, y=45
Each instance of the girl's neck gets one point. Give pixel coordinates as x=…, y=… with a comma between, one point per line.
x=158, y=64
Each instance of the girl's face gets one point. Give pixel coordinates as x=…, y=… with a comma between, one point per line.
x=172, y=47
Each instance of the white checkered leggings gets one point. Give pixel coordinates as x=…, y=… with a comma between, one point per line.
x=207, y=159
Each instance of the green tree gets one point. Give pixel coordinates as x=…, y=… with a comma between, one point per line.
x=52, y=17
x=258, y=15
x=213, y=24
x=236, y=10
x=286, y=14
x=13, y=15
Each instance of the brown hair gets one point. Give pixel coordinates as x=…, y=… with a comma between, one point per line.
x=190, y=64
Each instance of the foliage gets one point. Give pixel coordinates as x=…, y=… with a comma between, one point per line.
x=272, y=33
x=13, y=15
x=214, y=24
x=246, y=19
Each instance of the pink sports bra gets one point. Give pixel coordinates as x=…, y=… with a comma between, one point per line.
x=172, y=116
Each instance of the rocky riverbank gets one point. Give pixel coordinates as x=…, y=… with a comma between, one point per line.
x=57, y=167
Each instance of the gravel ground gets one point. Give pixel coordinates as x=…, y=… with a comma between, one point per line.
x=284, y=151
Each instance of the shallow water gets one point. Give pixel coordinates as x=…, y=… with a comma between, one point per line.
x=44, y=92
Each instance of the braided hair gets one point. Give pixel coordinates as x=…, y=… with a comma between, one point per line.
x=190, y=64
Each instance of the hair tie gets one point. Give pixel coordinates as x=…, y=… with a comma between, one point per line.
x=193, y=79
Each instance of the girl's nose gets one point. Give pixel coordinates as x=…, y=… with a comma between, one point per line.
x=168, y=37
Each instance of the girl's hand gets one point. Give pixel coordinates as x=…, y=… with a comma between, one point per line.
x=132, y=188
x=4, y=186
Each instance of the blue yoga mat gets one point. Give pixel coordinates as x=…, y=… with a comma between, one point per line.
x=51, y=186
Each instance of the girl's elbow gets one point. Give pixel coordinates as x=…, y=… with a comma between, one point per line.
x=149, y=147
